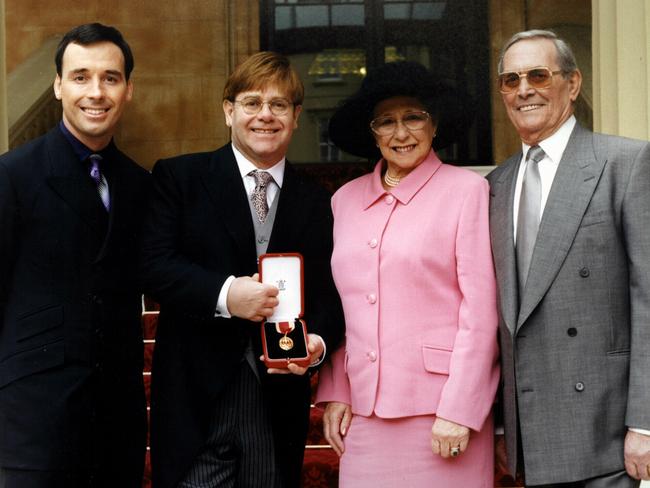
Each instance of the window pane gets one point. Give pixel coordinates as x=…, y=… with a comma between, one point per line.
x=283, y=18
x=312, y=16
x=347, y=15
x=428, y=10
x=398, y=11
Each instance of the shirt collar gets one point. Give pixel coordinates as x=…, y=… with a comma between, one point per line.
x=245, y=167
x=80, y=149
x=556, y=143
x=408, y=186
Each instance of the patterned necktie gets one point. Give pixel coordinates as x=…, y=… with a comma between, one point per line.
x=530, y=203
x=100, y=180
x=258, y=197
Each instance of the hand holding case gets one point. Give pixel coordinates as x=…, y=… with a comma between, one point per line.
x=284, y=334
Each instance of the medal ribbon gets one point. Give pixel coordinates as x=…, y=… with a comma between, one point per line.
x=284, y=327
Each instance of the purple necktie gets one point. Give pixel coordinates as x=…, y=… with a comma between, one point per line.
x=100, y=180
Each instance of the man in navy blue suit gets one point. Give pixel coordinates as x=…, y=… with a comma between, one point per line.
x=72, y=407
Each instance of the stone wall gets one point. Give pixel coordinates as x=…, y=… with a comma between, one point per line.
x=184, y=51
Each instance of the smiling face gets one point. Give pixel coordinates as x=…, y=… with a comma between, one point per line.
x=263, y=137
x=93, y=91
x=538, y=113
x=405, y=149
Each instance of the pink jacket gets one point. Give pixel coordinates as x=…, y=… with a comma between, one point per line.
x=415, y=274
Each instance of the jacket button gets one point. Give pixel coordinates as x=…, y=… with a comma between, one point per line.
x=372, y=243
x=584, y=272
x=572, y=331
x=371, y=298
x=580, y=386
x=372, y=356
x=389, y=199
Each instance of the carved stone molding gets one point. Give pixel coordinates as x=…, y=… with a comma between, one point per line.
x=243, y=22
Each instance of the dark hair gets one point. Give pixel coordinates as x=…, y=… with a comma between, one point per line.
x=87, y=34
x=261, y=69
x=450, y=108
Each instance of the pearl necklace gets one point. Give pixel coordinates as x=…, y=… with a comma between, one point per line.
x=391, y=180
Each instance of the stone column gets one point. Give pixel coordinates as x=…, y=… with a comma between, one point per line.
x=621, y=67
x=4, y=130
x=506, y=17
x=243, y=18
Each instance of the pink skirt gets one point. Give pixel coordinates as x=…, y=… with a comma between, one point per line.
x=395, y=453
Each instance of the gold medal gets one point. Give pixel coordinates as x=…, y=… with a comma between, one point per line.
x=286, y=344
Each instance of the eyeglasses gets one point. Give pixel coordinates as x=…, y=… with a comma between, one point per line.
x=253, y=105
x=537, y=78
x=386, y=126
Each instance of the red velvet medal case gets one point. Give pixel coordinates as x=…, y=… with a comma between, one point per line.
x=284, y=334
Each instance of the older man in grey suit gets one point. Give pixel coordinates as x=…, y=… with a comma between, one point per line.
x=570, y=223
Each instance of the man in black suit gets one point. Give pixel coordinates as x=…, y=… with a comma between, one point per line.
x=72, y=408
x=219, y=418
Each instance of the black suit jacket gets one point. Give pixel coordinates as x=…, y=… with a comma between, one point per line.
x=198, y=232
x=71, y=391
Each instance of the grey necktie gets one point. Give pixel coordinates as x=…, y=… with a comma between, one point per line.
x=258, y=197
x=530, y=203
x=100, y=180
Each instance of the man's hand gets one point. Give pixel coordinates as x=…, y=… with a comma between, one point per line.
x=637, y=455
x=336, y=420
x=446, y=435
x=249, y=299
x=315, y=347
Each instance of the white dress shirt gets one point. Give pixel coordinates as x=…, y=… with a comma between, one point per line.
x=553, y=147
x=245, y=167
x=277, y=172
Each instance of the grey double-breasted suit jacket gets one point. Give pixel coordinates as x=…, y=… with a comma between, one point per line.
x=575, y=343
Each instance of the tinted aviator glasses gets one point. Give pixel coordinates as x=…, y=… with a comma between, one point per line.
x=537, y=78
x=253, y=105
x=386, y=126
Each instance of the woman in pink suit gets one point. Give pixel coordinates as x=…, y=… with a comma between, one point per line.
x=409, y=395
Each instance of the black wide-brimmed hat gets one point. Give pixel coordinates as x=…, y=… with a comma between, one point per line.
x=349, y=127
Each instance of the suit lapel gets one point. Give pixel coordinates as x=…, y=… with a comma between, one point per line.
x=288, y=219
x=501, y=230
x=68, y=178
x=225, y=187
x=573, y=186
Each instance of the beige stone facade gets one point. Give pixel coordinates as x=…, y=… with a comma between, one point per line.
x=184, y=51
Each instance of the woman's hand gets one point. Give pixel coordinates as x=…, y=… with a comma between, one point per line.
x=336, y=421
x=448, y=437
